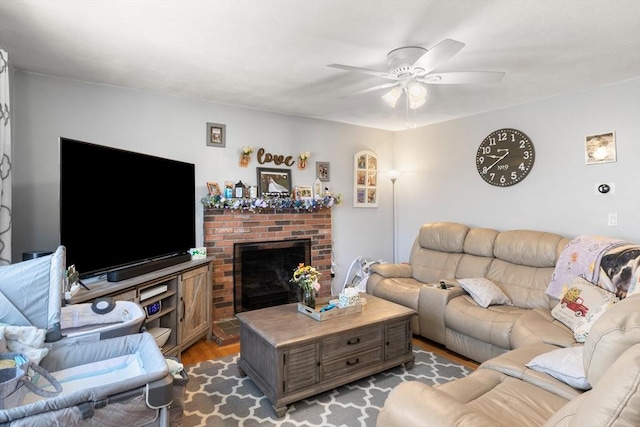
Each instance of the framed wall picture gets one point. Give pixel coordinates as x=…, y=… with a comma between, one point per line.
x=273, y=182
x=365, y=180
x=600, y=148
x=214, y=189
x=322, y=171
x=216, y=135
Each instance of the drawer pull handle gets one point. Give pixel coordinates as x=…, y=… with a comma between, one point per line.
x=353, y=341
x=351, y=363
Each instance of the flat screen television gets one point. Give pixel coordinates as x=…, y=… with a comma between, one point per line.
x=120, y=209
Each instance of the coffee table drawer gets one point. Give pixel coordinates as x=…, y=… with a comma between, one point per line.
x=351, y=363
x=351, y=342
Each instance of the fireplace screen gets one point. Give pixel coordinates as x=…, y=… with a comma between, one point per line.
x=262, y=270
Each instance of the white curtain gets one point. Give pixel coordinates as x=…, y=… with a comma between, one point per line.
x=5, y=162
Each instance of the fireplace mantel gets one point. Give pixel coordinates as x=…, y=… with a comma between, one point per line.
x=224, y=227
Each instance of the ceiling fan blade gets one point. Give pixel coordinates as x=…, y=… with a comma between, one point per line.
x=372, y=89
x=462, y=77
x=382, y=74
x=438, y=55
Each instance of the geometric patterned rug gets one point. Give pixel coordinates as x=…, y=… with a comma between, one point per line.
x=217, y=396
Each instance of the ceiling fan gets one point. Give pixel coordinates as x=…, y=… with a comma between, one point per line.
x=411, y=68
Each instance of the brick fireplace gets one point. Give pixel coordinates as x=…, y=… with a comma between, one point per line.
x=224, y=227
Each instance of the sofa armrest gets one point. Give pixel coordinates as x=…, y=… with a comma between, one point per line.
x=432, y=303
x=416, y=404
x=380, y=272
x=392, y=270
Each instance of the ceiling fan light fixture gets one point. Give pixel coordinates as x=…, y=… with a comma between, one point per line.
x=417, y=95
x=392, y=97
x=417, y=103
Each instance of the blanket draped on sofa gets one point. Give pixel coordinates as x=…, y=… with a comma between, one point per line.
x=587, y=257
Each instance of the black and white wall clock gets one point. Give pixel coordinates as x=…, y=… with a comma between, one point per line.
x=505, y=157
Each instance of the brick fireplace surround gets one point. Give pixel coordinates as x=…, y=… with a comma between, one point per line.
x=224, y=227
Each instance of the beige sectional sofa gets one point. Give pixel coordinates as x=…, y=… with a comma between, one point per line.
x=505, y=392
x=520, y=262
x=505, y=329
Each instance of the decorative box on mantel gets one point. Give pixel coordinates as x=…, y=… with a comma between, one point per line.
x=224, y=227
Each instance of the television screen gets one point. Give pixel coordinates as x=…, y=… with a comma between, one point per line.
x=119, y=208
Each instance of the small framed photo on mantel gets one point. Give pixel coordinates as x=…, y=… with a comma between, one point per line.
x=216, y=135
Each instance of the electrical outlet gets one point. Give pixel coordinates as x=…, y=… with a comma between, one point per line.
x=612, y=221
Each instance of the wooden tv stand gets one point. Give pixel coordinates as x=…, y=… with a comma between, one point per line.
x=182, y=293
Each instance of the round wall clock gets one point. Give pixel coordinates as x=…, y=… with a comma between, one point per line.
x=505, y=157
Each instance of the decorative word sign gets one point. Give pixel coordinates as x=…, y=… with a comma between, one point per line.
x=278, y=159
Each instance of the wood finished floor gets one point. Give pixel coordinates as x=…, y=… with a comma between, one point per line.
x=207, y=350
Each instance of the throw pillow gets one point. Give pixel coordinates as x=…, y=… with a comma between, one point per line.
x=564, y=364
x=579, y=299
x=582, y=331
x=484, y=292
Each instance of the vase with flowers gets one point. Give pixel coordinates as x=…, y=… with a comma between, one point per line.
x=302, y=159
x=245, y=156
x=306, y=277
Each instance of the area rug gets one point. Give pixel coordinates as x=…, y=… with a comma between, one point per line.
x=217, y=396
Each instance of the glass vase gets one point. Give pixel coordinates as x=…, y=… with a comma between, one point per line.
x=309, y=298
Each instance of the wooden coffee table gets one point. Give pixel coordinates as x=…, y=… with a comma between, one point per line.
x=291, y=356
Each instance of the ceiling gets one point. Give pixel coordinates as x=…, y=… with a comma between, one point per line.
x=273, y=55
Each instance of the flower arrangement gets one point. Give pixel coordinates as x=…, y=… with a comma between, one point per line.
x=245, y=155
x=306, y=277
x=276, y=203
x=302, y=159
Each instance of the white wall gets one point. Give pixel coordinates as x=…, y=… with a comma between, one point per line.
x=439, y=180
x=46, y=108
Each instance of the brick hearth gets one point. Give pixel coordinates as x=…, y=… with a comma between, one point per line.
x=224, y=227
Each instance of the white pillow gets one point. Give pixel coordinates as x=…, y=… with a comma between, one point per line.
x=579, y=300
x=484, y=292
x=564, y=364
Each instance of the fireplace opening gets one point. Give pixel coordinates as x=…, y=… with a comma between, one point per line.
x=262, y=270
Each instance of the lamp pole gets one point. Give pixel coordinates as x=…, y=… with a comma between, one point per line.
x=394, y=176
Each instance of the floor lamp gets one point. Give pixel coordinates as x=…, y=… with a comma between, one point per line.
x=394, y=176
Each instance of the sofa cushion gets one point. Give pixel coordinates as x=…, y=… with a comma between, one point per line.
x=484, y=292
x=527, y=247
x=480, y=242
x=514, y=364
x=523, y=284
x=429, y=266
x=492, y=325
x=578, y=300
x=443, y=236
x=537, y=325
x=436, y=251
x=565, y=364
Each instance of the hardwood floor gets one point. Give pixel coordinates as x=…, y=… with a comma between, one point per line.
x=207, y=350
